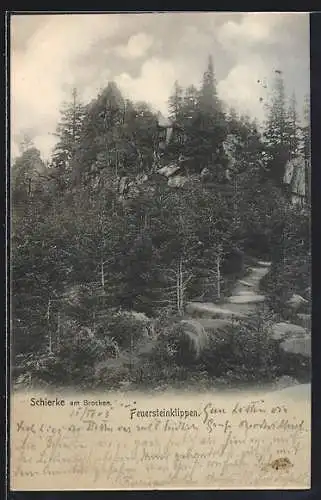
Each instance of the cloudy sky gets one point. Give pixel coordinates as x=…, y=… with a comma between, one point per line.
x=144, y=54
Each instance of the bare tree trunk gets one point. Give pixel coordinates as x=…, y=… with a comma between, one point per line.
x=116, y=163
x=307, y=181
x=283, y=247
x=177, y=290
x=131, y=352
x=102, y=275
x=180, y=287
x=58, y=329
x=49, y=329
x=146, y=221
x=94, y=321
x=235, y=216
x=218, y=275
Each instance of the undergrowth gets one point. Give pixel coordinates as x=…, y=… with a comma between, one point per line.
x=171, y=353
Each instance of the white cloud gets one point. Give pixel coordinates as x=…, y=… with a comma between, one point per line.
x=41, y=77
x=45, y=143
x=136, y=47
x=248, y=42
x=61, y=51
x=240, y=89
x=153, y=85
x=252, y=29
x=192, y=37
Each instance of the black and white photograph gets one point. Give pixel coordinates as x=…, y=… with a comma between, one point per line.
x=160, y=202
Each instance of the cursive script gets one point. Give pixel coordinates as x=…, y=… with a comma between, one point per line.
x=160, y=443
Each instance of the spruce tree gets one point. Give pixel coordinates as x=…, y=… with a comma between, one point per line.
x=68, y=131
x=306, y=134
x=211, y=125
x=208, y=100
x=292, y=130
x=175, y=103
x=275, y=134
x=26, y=174
x=98, y=157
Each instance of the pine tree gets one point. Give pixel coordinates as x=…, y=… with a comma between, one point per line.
x=243, y=143
x=26, y=173
x=276, y=121
x=210, y=124
x=275, y=133
x=306, y=133
x=98, y=157
x=25, y=143
x=128, y=239
x=190, y=103
x=208, y=100
x=137, y=139
x=117, y=140
x=292, y=130
x=175, y=103
x=69, y=134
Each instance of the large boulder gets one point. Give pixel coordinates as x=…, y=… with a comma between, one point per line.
x=213, y=325
x=297, y=345
x=296, y=301
x=210, y=310
x=219, y=328
x=282, y=331
x=304, y=320
x=264, y=263
x=246, y=298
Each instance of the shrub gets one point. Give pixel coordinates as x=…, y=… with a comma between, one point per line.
x=245, y=353
x=126, y=328
x=283, y=280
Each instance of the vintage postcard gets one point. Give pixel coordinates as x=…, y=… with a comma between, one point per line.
x=160, y=251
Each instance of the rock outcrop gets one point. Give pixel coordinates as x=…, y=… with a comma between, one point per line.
x=292, y=338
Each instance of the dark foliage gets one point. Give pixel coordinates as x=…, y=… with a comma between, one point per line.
x=107, y=249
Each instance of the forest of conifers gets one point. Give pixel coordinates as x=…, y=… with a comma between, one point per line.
x=106, y=251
